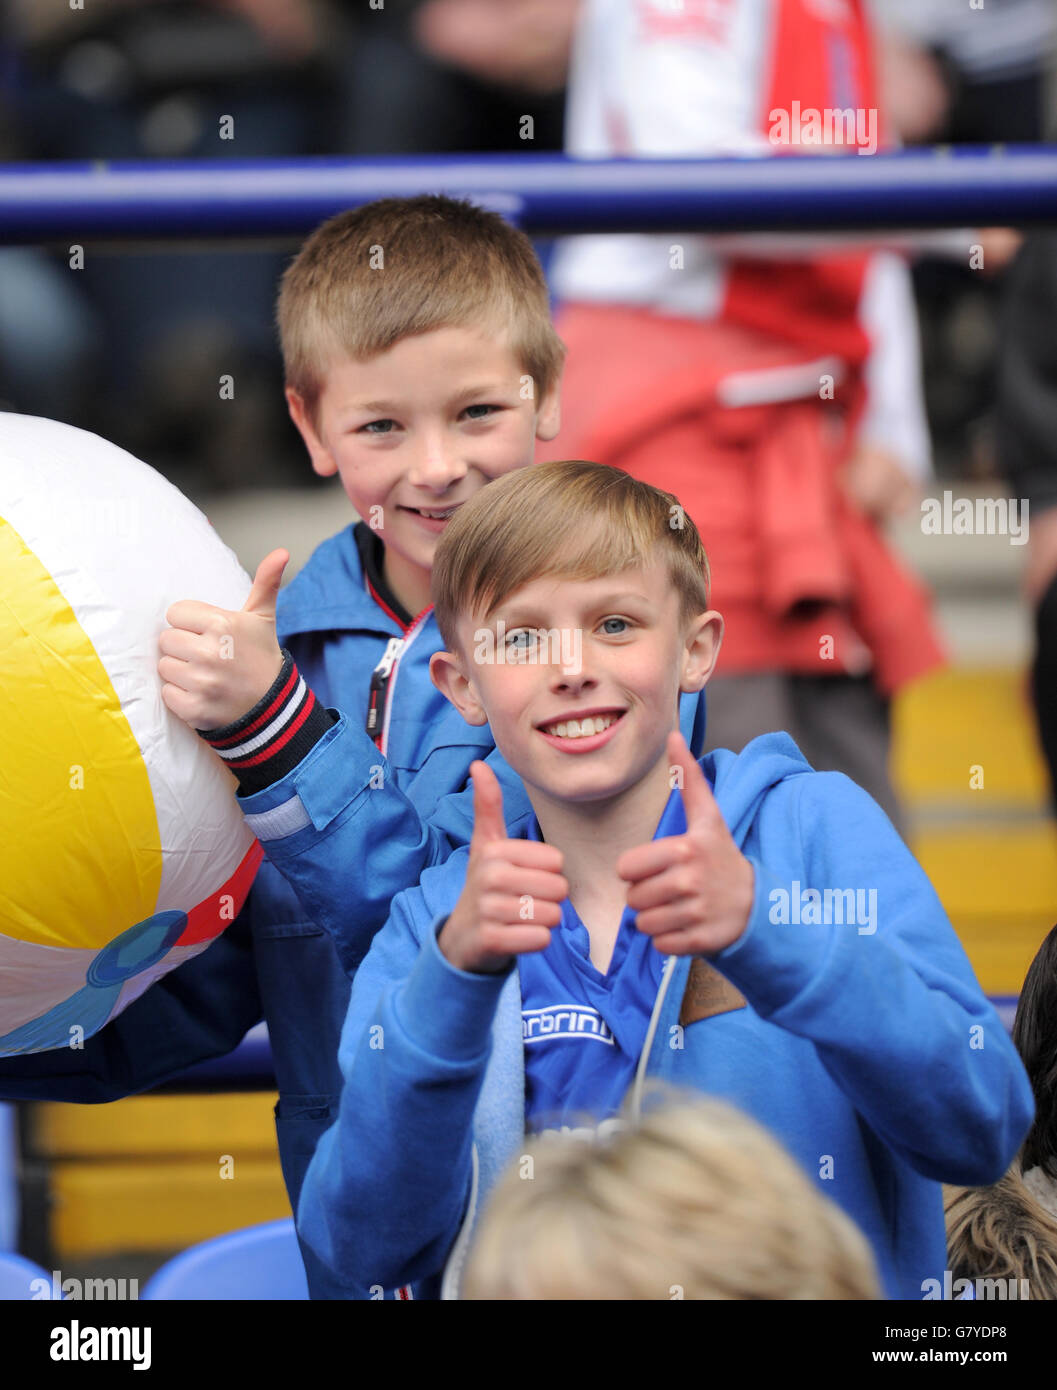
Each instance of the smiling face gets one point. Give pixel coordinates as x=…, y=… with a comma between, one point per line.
x=416, y=431
x=594, y=730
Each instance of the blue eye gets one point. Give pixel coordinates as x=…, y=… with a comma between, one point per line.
x=486, y=408
x=610, y=631
x=523, y=639
x=380, y=427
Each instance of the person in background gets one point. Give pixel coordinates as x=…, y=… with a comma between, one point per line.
x=991, y=61
x=959, y=74
x=772, y=384
x=1009, y=1230
x=169, y=352
x=1027, y=441
x=1001, y=1233
x=1035, y=1037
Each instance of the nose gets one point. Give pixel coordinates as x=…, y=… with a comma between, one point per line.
x=569, y=674
x=437, y=465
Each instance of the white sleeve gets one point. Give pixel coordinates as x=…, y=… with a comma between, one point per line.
x=894, y=418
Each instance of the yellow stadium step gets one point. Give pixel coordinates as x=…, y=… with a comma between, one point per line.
x=155, y=1173
x=967, y=763
x=161, y=1125
x=161, y=1204
x=953, y=727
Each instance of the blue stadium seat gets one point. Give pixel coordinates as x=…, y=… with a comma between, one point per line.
x=259, y=1262
x=17, y=1275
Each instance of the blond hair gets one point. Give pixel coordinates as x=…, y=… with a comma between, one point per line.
x=1001, y=1232
x=403, y=266
x=575, y=519
x=694, y=1201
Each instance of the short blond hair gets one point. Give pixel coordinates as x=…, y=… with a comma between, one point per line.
x=695, y=1201
x=1000, y=1232
x=403, y=266
x=572, y=518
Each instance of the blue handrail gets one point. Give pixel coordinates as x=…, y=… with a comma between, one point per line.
x=548, y=194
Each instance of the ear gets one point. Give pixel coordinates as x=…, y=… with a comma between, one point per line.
x=322, y=462
x=549, y=414
x=445, y=671
x=704, y=637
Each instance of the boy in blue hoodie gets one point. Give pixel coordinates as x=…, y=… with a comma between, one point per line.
x=742, y=925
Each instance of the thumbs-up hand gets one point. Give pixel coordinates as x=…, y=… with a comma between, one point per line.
x=513, y=891
x=216, y=665
x=692, y=893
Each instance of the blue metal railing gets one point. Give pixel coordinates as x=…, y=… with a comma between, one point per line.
x=547, y=194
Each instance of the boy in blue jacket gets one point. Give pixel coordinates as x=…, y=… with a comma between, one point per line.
x=421, y=364
x=741, y=925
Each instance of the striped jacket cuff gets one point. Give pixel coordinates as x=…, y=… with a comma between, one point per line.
x=272, y=738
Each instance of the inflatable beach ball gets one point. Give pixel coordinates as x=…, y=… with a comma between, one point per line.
x=122, y=849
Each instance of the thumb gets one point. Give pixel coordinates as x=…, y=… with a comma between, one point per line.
x=699, y=804
x=488, y=822
x=266, y=583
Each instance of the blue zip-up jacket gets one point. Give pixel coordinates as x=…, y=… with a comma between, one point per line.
x=872, y=1055
x=343, y=833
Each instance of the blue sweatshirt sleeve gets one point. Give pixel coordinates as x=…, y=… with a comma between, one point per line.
x=388, y=1185
x=201, y=1010
x=892, y=1005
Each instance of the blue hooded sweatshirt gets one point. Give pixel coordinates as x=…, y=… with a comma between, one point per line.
x=868, y=1050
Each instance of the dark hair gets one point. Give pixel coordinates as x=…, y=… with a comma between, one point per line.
x=1035, y=1038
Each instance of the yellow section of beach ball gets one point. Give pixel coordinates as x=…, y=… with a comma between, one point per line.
x=72, y=778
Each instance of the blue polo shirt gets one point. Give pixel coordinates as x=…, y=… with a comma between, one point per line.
x=583, y=1032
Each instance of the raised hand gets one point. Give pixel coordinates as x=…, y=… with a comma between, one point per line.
x=692, y=893
x=216, y=665
x=513, y=892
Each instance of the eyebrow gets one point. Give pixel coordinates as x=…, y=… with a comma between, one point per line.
x=394, y=408
x=523, y=612
x=489, y=388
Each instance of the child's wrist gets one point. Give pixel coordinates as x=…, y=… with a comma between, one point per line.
x=445, y=1011
x=450, y=943
x=272, y=737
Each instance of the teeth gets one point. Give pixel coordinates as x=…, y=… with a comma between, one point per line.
x=582, y=728
x=436, y=516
